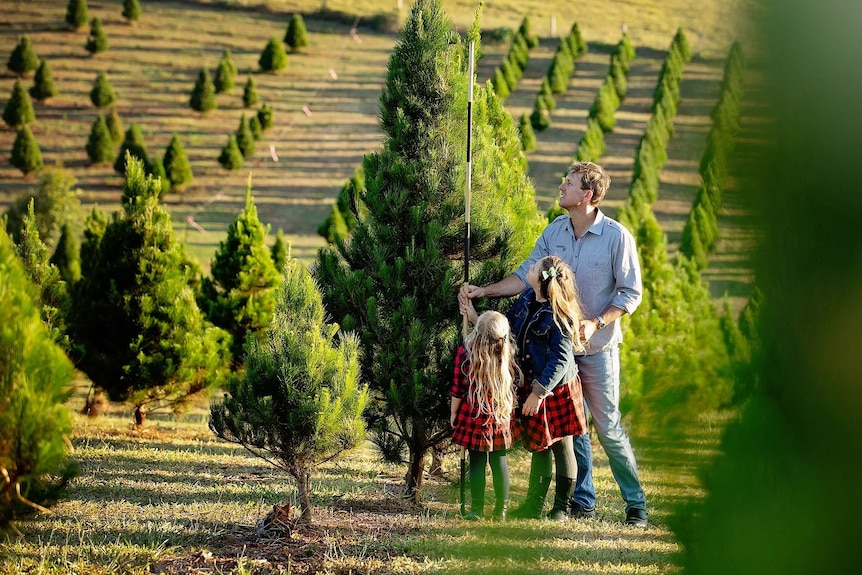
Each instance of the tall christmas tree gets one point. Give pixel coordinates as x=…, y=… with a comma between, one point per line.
x=395, y=280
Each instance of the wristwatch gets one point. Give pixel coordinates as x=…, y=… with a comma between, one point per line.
x=601, y=322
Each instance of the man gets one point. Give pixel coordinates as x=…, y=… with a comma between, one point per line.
x=603, y=255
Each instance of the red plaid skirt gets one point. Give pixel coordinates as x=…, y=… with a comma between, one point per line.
x=560, y=415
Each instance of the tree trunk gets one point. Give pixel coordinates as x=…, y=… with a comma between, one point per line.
x=303, y=486
x=413, y=480
x=140, y=416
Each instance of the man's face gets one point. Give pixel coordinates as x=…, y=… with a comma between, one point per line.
x=571, y=193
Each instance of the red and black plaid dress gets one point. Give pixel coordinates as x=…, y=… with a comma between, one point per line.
x=559, y=415
x=474, y=430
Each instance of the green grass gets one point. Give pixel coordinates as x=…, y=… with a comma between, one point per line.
x=173, y=498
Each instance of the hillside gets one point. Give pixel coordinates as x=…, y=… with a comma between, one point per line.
x=325, y=102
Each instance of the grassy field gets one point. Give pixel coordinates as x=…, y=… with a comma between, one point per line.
x=172, y=498
x=153, y=65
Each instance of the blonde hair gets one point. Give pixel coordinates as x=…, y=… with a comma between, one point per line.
x=557, y=285
x=493, y=372
x=593, y=177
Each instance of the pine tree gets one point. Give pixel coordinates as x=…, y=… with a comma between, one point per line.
x=279, y=251
x=77, y=14
x=35, y=380
x=133, y=143
x=273, y=58
x=255, y=127
x=249, y=94
x=97, y=41
x=43, y=84
x=19, y=109
x=244, y=138
x=134, y=313
x=178, y=170
x=132, y=10
x=51, y=291
x=227, y=57
x=501, y=86
x=240, y=298
x=224, y=75
x=541, y=116
x=528, y=136
x=56, y=201
x=100, y=146
x=265, y=115
x=333, y=226
x=23, y=59
x=302, y=367
x=296, y=36
x=115, y=125
x=102, y=95
x=394, y=282
x=26, y=155
x=231, y=156
x=67, y=255
x=203, y=94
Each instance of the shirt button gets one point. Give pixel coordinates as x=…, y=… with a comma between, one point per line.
x=527, y=356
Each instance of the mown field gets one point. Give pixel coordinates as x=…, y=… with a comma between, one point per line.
x=153, y=65
x=172, y=498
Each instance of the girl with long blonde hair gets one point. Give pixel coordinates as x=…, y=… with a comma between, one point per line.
x=483, y=403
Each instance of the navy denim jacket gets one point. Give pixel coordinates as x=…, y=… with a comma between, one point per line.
x=545, y=352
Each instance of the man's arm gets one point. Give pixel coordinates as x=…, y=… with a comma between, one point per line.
x=506, y=287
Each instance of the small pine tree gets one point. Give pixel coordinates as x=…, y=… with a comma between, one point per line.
x=231, y=156
x=255, y=127
x=273, y=58
x=203, y=94
x=156, y=169
x=26, y=155
x=541, y=117
x=19, y=109
x=35, y=380
x=333, y=226
x=67, y=255
x=132, y=10
x=577, y=42
x=528, y=136
x=52, y=291
x=304, y=368
x=279, y=252
x=501, y=86
x=244, y=138
x=77, y=14
x=547, y=94
x=265, y=115
x=224, y=77
x=56, y=201
x=115, y=125
x=178, y=170
x=102, y=95
x=133, y=145
x=43, y=84
x=249, y=94
x=23, y=59
x=227, y=57
x=296, y=36
x=100, y=146
x=97, y=41
x=240, y=298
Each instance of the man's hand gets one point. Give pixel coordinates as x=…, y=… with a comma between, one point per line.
x=588, y=329
x=465, y=306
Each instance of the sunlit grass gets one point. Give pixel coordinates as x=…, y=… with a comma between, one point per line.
x=172, y=492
